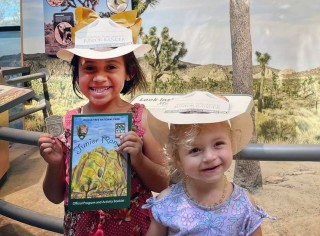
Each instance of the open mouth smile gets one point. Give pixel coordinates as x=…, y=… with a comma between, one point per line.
x=210, y=168
x=100, y=90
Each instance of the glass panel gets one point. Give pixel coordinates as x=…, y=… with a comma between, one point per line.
x=9, y=13
x=10, y=45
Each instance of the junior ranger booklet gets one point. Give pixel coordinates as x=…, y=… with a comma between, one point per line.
x=99, y=174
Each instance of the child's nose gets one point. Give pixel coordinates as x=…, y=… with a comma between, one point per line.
x=100, y=77
x=209, y=155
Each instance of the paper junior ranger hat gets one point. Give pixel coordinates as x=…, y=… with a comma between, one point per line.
x=103, y=38
x=200, y=107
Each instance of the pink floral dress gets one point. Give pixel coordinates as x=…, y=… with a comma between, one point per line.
x=116, y=222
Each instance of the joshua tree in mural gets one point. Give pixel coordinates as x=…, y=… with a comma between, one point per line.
x=142, y=5
x=310, y=88
x=276, y=84
x=164, y=58
x=263, y=60
x=247, y=173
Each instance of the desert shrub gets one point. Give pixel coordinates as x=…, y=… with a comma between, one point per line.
x=271, y=102
x=35, y=122
x=176, y=84
x=172, y=85
x=303, y=126
x=277, y=130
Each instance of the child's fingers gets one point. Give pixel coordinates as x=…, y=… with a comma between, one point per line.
x=47, y=145
x=130, y=137
x=132, y=145
x=45, y=138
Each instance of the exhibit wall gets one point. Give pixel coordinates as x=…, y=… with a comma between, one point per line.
x=284, y=40
x=10, y=38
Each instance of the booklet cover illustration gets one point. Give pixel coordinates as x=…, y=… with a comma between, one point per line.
x=99, y=174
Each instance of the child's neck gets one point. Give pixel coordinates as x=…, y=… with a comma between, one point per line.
x=120, y=106
x=208, y=195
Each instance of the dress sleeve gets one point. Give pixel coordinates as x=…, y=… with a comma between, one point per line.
x=153, y=204
x=254, y=219
x=149, y=203
x=137, y=110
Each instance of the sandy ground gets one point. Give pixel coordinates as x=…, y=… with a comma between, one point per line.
x=23, y=187
x=291, y=192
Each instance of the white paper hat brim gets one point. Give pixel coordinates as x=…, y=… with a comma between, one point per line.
x=185, y=118
x=241, y=127
x=238, y=105
x=138, y=49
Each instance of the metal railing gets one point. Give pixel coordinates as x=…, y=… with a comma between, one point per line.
x=15, y=212
x=44, y=105
x=259, y=152
x=32, y=218
x=29, y=137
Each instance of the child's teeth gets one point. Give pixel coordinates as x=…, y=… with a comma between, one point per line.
x=99, y=90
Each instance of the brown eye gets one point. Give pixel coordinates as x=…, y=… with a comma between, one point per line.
x=111, y=67
x=194, y=150
x=88, y=68
x=219, y=144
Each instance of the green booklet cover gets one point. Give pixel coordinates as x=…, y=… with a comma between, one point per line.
x=99, y=174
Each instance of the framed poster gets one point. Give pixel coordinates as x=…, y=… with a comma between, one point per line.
x=59, y=19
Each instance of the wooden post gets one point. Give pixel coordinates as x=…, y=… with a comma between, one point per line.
x=2, y=81
x=4, y=147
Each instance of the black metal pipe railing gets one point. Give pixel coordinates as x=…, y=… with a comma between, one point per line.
x=19, y=136
x=32, y=218
x=43, y=74
x=281, y=152
x=42, y=106
x=26, y=78
x=259, y=152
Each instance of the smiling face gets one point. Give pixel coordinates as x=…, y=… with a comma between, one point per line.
x=101, y=81
x=206, y=156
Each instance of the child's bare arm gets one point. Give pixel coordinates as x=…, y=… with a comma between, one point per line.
x=258, y=231
x=157, y=229
x=146, y=157
x=54, y=181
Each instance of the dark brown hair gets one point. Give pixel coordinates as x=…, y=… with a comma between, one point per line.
x=133, y=69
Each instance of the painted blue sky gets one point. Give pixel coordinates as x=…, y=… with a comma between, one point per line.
x=279, y=27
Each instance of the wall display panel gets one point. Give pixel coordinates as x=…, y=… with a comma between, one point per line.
x=10, y=45
x=10, y=42
x=9, y=13
x=279, y=28
x=59, y=18
x=10, y=38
